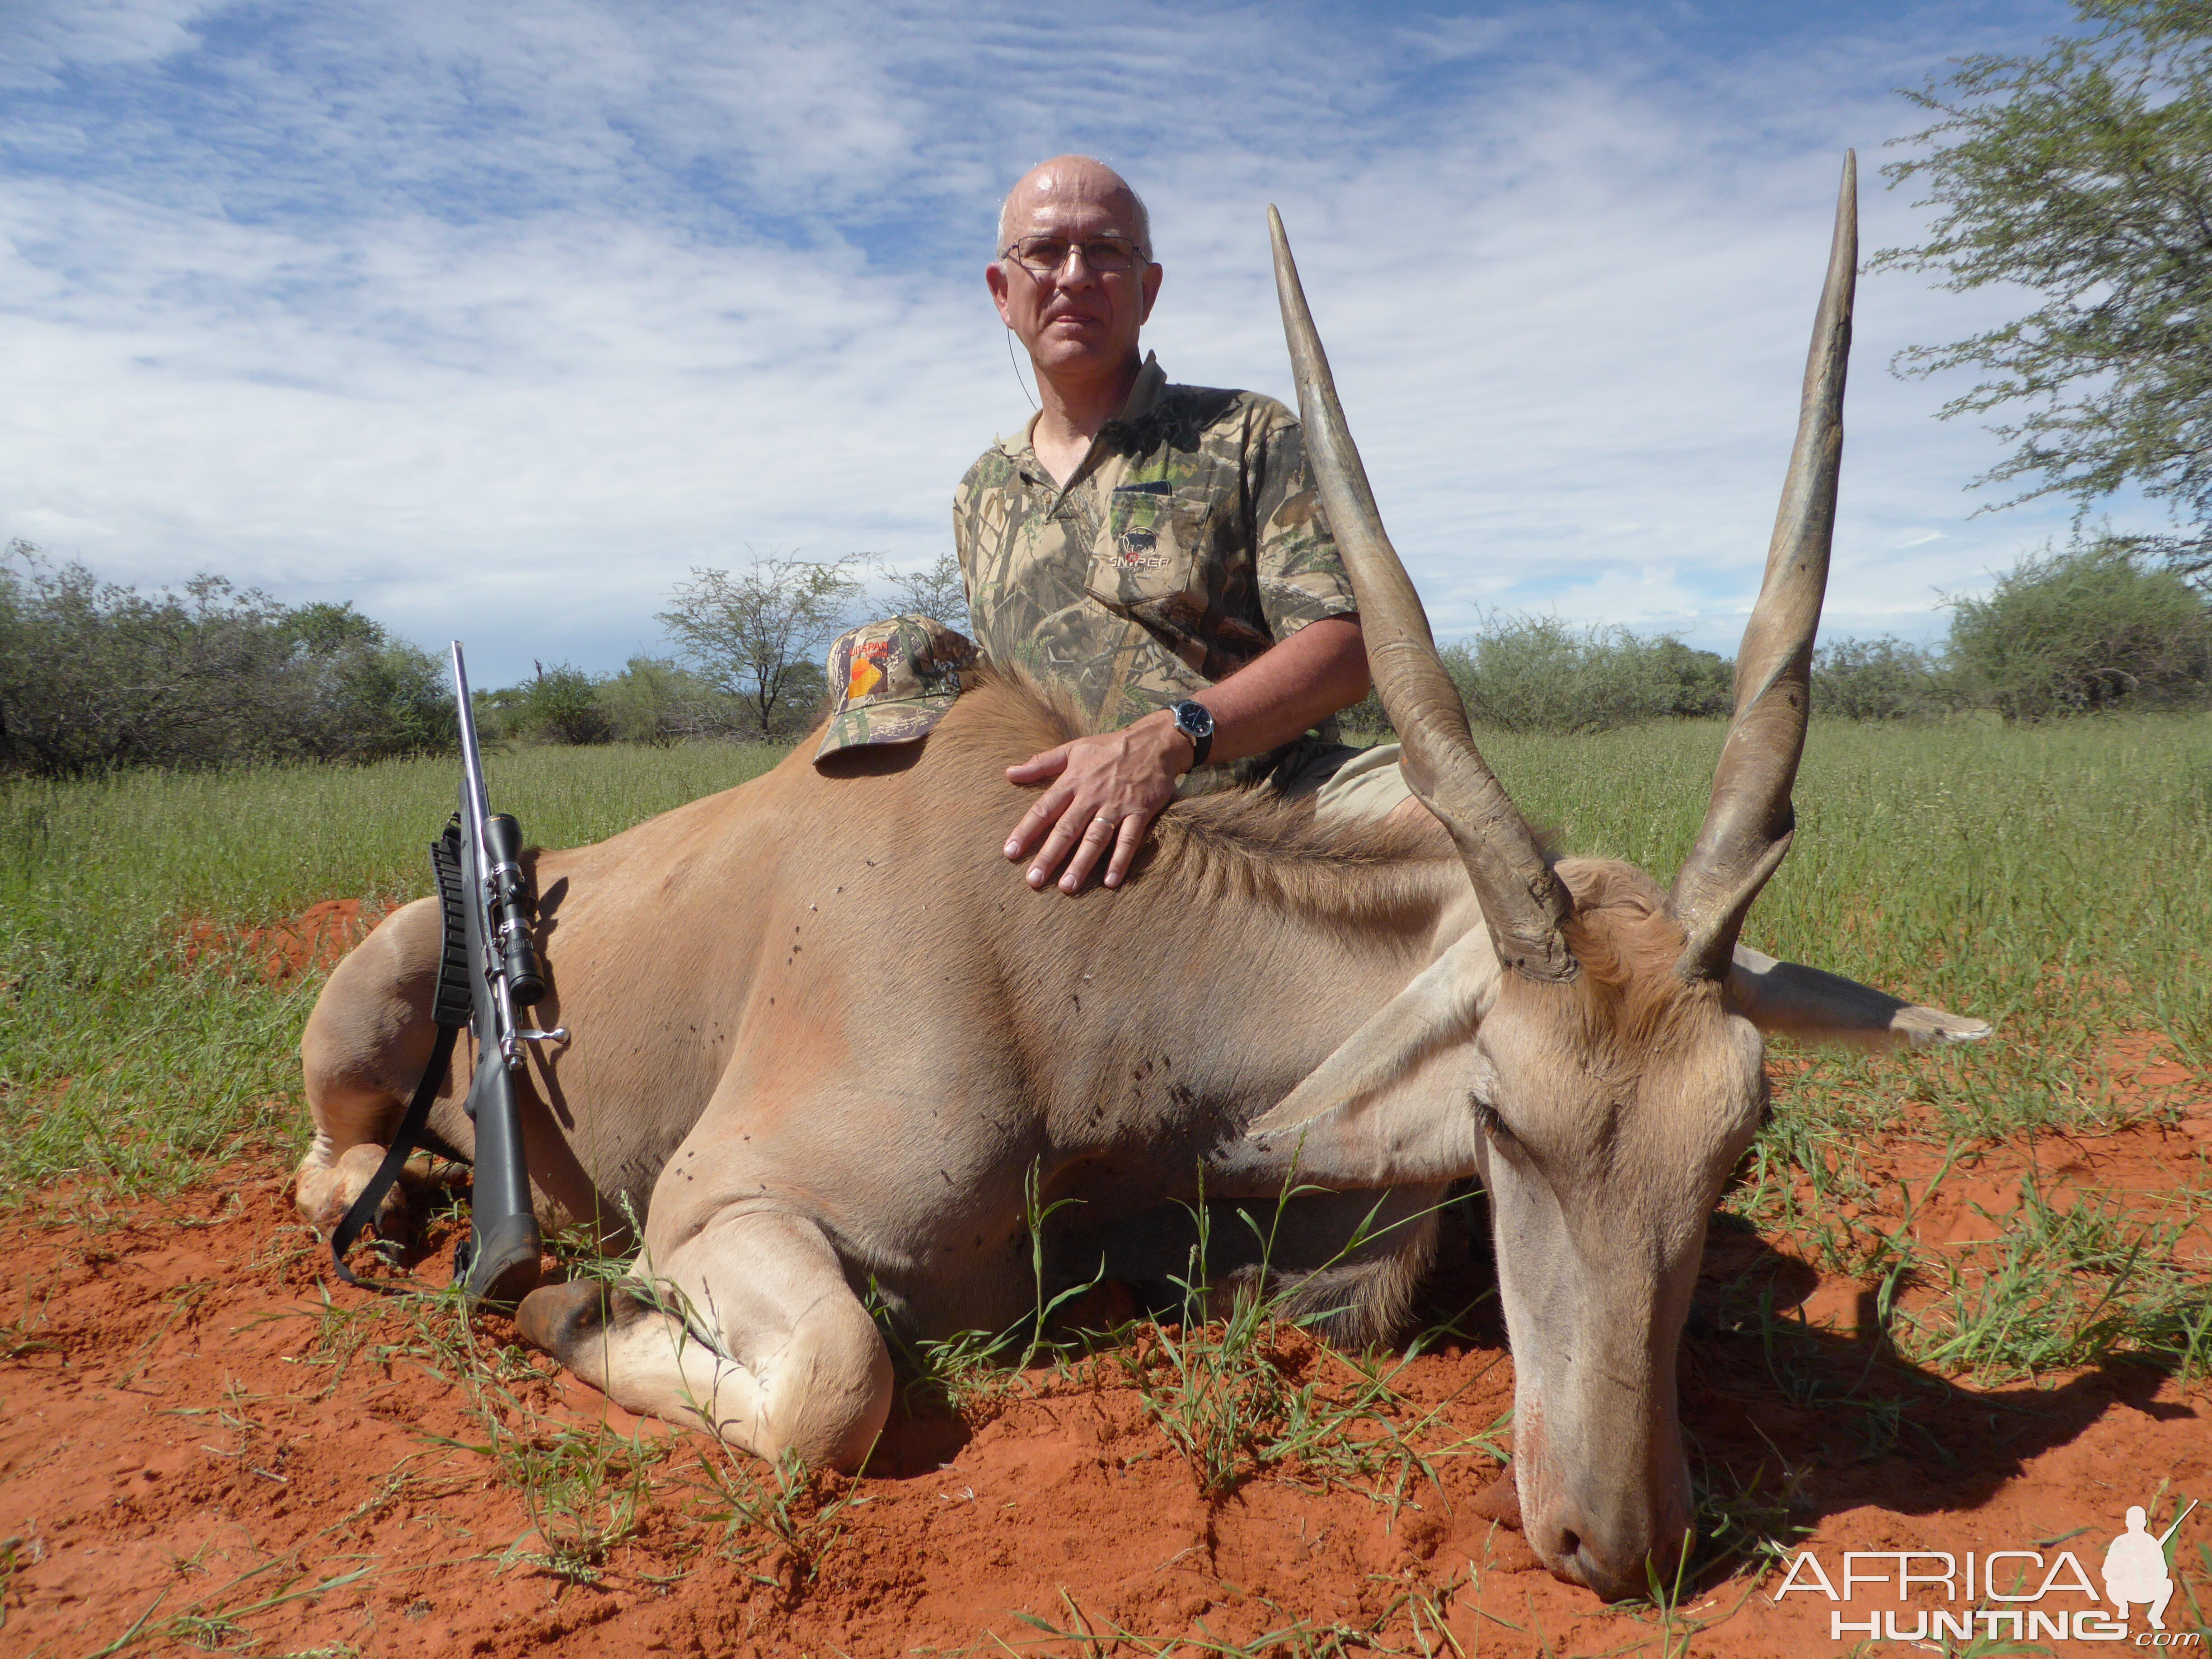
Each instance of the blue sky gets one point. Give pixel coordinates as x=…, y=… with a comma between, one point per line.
x=496, y=319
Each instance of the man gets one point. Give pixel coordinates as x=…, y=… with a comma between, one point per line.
x=2136, y=1570
x=1157, y=550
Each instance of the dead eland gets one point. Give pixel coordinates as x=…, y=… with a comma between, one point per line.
x=823, y=1035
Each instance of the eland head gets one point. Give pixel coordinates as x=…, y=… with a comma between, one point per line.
x=1609, y=1030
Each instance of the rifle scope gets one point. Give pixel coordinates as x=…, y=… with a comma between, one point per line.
x=525, y=977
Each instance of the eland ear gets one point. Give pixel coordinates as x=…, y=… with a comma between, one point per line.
x=1788, y=999
x=1441, y=1005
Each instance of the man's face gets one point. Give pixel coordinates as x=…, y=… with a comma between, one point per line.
x=1078, y=322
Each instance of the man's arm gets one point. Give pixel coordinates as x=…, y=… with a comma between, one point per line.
x=1105, y=790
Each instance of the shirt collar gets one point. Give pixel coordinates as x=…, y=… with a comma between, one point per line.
x=1144, y=395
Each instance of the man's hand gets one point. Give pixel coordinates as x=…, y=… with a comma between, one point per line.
x=1105, y=791
x=1102, y=793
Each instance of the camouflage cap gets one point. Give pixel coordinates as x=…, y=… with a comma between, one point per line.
x=894, y=680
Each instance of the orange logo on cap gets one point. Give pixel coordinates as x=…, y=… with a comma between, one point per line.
x=867, y=675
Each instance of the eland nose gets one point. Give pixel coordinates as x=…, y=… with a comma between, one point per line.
x=1619, y=1567
x=1569, y=1552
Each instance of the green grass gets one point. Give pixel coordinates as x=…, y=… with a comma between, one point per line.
x=2056, y=880
x=1242, y=1391
x=122, y=1065
x=216, y=1619
x=2058, y=1288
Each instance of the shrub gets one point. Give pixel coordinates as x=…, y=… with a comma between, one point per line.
x=1540, y=674
x=652, y=701
x=805, y=700
x=501, y=715
x=561, y=705
x=96, y=675
x=382, y=697
x=656, y=700
x=2091, y=629
x=1365, y=718
x=1883, y=679
x=1703, y=682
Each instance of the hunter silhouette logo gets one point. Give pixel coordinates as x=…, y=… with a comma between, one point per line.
x=2022, y=1584
x=2135, y=1566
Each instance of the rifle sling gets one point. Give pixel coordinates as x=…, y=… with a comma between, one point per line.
x=403, y=1145
x=449, y=1008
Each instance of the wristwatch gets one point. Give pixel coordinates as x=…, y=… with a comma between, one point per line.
x=1195, y=721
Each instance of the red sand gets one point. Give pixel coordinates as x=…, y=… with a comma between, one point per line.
x=316, y=938
x=170, y=1449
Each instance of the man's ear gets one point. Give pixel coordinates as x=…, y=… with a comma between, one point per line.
x=1441, y=1005
x=1151, y=291
x=1788, y=999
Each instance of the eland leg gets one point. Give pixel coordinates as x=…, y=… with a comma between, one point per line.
x=747, y=1329
x=361, y=1057
x=1346, y=1265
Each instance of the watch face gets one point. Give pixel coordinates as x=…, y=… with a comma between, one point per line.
x=1194, y=719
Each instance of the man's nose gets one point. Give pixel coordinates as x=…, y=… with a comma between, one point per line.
x=1075, y=270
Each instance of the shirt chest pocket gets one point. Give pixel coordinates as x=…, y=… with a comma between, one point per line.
x=1152, y=556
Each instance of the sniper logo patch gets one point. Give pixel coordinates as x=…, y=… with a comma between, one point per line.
x=1139, y=550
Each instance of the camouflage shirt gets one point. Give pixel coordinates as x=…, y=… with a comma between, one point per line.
x=1190, y=540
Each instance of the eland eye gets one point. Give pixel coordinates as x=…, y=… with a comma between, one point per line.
x=1486, y=1115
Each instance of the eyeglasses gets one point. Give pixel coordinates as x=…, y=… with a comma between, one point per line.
x=1047, y=256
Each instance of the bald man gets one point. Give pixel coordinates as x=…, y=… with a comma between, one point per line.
x=1157, y=550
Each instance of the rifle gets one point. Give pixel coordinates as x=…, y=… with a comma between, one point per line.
x=489, y=971
x=2178, y=1519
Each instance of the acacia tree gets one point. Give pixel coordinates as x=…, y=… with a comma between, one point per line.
x=937, y=590
x=756, y=634
x=2084, y=174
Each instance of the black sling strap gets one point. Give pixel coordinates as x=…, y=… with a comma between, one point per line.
x=450, y=1008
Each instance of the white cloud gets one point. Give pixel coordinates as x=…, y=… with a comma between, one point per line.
x=522, y=313
x=46, y=36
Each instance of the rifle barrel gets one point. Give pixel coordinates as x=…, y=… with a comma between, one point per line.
x=472, y=762
x=2176, y=1526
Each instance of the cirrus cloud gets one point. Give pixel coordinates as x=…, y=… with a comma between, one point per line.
x=498, y=320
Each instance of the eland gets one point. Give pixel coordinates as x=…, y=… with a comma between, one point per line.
x=833, y=1055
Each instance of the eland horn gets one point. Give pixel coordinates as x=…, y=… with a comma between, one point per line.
x=1525, y=903
x=1749, y=821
